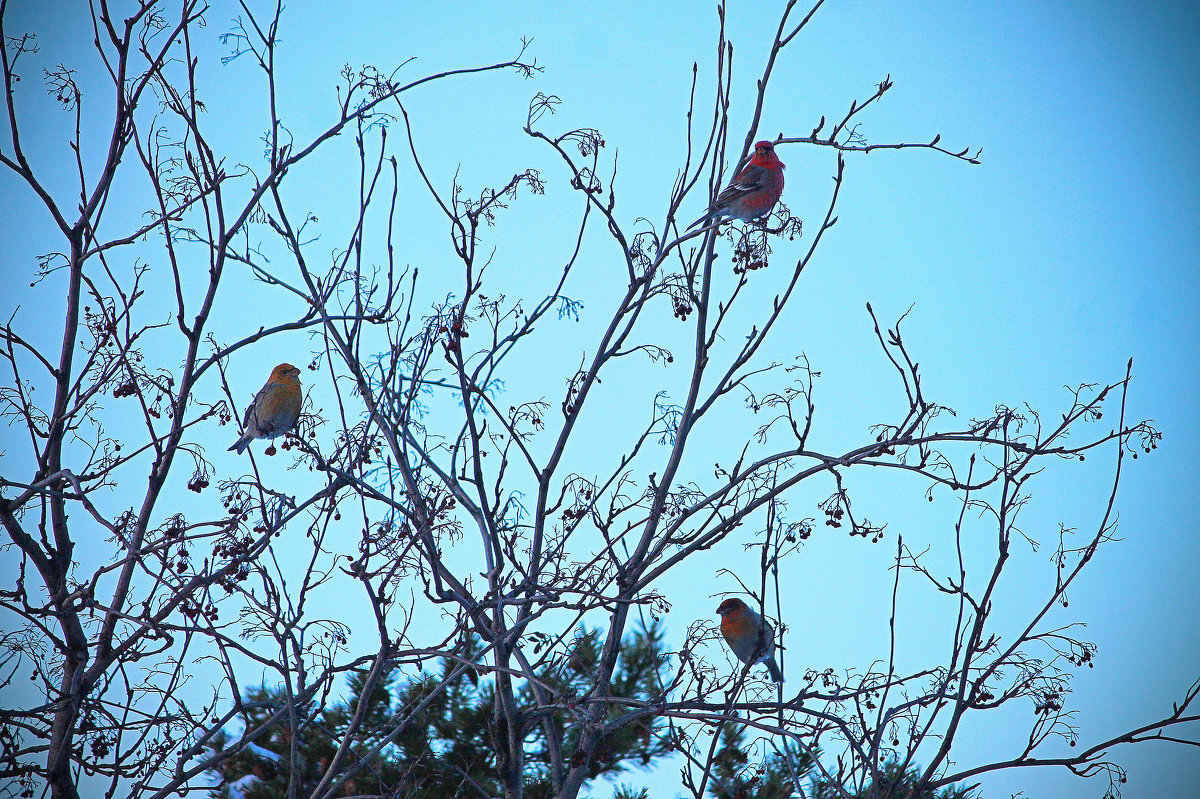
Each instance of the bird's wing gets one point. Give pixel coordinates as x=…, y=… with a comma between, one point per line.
x=252, y=409
x=749, y=179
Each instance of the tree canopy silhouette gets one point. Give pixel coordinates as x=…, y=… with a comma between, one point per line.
x=519, y=444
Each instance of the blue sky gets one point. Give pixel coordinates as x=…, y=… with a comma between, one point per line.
x=1073, y=247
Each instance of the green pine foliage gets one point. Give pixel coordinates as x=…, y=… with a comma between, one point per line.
x=446, y=750
x=895, y=782
x=737, y=776
x=264, y=771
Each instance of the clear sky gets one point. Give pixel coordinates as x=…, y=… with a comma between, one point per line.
x=1073, y=247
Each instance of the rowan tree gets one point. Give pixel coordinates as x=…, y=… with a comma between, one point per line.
x=483, y=468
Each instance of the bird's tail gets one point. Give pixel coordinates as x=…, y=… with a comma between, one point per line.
x=704, y=219
x=773, y=667
x=240, y=445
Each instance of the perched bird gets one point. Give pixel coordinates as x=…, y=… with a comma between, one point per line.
x=275, y=409
x=750, y=637
x=753, y=192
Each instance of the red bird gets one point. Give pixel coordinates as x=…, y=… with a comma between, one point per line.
x=750, y=637
x=753, y=192
x=275, y=409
